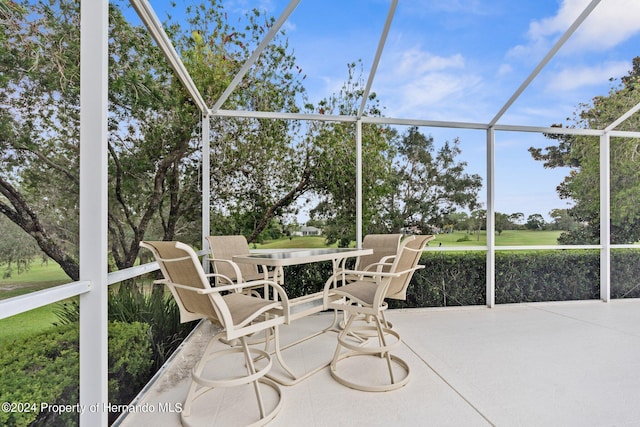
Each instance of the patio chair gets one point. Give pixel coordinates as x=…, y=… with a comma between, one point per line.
x=222, y=250
x=366, y=296
x=384, y=246
x=237, y=314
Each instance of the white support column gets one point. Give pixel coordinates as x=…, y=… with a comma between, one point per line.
x=206, y=181
x=359, y=183
x=491, y=250
x=605, y=218
x=93, y=210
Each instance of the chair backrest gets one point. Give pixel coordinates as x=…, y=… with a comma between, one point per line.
x=225, y=248
x=383, y=245
x=407, y=259
x=179, y=264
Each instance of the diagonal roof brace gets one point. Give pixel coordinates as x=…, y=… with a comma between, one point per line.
x=376, y=61
x=148, y=16
x=622, y=118
x=256, y=53
x=585, y=13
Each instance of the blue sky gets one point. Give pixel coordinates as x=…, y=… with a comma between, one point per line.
x=461, y=60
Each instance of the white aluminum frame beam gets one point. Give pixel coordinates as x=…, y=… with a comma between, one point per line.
x=359, y=222
x=490, y=225
x=376, y=59
x=151, y=21
x=622, y=118
x=206, y=186
x=605, y=218
x=16, y=305
x=94, y=82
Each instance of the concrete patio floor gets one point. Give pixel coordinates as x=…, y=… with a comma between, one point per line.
x=544, y=364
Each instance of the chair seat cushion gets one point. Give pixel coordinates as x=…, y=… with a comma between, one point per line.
x=245, y=307
x=363, y=291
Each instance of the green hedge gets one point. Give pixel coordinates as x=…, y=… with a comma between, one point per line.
x=625, y=273
x=44, y=371
x=458, y=278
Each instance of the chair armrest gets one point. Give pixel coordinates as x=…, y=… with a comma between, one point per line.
x=283, y=298
x=378, y=266
x=370, y=275
x=232, y=264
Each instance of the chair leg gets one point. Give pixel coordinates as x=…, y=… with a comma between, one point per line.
x=251, y=370
x=200, y=385
x=358, y=348
x=383, y=344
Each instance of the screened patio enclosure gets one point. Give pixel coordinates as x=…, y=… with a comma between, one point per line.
x=94, y=277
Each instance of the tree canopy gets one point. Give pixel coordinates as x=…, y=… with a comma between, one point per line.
x=582, y=155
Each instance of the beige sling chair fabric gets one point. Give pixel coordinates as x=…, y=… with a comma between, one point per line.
x=222, y=250
x=384, y=246
x=366, y=296
x=237, y=313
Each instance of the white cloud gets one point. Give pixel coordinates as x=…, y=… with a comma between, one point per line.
x=415, y=61
x=504, y=70
x=415, y=81
x=610, y=23
x=577, y=77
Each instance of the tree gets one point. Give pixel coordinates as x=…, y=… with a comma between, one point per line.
x=259, y=166
x=16, y=248
x=478, y=221
x=581, y=154
x=153, y=126
x=429, y=184
x=39, y=94
x=562, y=220
x=332, y=156
x=516, y=218
x=535, y=222
x=502, y=222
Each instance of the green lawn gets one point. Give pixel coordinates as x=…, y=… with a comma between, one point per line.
x=37, y=277
x=26, y=324
x=294, y=242
x=507, y=238
x=456, y=239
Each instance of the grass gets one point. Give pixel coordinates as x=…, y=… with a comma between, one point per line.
x=294, y=242
x=456, y=239
x=506, y=238
x=38, y=276
x=24, y=325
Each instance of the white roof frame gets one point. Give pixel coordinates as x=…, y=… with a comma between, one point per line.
x=153, y=24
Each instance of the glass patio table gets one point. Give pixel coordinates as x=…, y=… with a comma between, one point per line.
x=285, y=257
x=306, y=304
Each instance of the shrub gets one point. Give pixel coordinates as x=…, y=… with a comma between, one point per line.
x=555, y=275
x=129, y=303
x=625, y=273
x=459, y=278
x=44, y=370
x=158, y=309
x=453, y=278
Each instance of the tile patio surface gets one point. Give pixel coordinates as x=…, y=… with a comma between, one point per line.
x=544, y=364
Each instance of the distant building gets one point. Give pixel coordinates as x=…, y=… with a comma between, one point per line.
x=308, y=231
